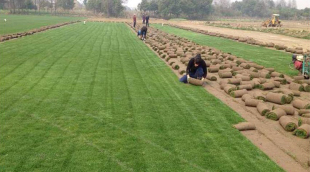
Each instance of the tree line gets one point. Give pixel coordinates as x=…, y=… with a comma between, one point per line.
x=108, y=7
x=23, y=6
x=259, y=8
x=203, y=9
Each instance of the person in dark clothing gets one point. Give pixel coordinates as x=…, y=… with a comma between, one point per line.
x=134, y=18
x=147, y=18
x=142, y=32
x=196, y=68
x=143, y=19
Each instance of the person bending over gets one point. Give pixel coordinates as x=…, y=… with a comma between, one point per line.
x=196, y=68
x=142, y=33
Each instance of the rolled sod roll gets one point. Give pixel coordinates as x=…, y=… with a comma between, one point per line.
x=270, y=69
x=176, y=66
x=247, y=96
x=302, y=131
x=247, y=83
x=267, y=86
x=238, y=93
x=245, y=78
x=262, y=108
x=277, y=98
x=213, y=69
x=306, y=81
x=303, y=111
x=281, y=80
x=247, y=87
x=182, y=70
x=288, y=123
x=303, y=121
x=173, y=56
x=301, y=104
x=223, y=83
x=289, y=109
x=262, y=80
x=306, y=115
x=245, y=65
x=252, y=102
x=296, y=93
x=229, y=88
x=276, y=83
x=259, y=96
x=235, y=81
x=237, y=68
x=211, y=77
x=294, y=86
x=306, y=87
x=225, y=75
x=275, y=114
x=264, y=75
x=243, y=126
x=254, y=75
x=277, y=74
x=194, y=81
x=297, y=78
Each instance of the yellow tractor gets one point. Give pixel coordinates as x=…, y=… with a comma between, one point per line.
x=273, y=22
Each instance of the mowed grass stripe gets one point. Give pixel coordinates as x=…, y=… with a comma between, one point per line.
x=45, y=63
x=260, y=55
x=114, y=106
x=41, y=39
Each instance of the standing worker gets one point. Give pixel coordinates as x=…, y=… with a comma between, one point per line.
x=134, y=20
x=143, y=19
x=142, y=33
x=147, y=18
x=196, y=68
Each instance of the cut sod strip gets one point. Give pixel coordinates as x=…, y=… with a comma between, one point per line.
x=22, y=23
x=260, y=55
x=96, y=98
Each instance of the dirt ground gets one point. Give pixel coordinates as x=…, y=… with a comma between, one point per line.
x=260, y=36
x=288, y=151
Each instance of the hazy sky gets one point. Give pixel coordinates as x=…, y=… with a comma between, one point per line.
x=301, y=4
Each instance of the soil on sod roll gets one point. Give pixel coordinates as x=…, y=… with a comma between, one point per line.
x=252, y=102
x=289, y=109
x=243, y=126
x=303, y=120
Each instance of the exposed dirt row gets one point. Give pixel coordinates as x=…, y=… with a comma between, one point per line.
x=287, y=41
x=229, y=71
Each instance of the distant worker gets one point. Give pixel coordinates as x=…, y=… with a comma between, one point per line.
x=196, y=68
x=147, y=18
x=143, y=18
x=134, y=20
x=142, y=33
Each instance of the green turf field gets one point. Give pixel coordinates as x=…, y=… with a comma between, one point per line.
x=101, y=100
x=263, y=56
x=22, y=23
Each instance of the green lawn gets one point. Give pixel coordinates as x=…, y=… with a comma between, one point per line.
x=101, y=100
x=22, y=23
x=263, y=56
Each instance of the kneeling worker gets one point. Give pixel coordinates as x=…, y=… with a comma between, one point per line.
x=196, y=68
x=142, y=32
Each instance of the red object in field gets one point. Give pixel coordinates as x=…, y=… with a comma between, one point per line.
x=298, y=65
